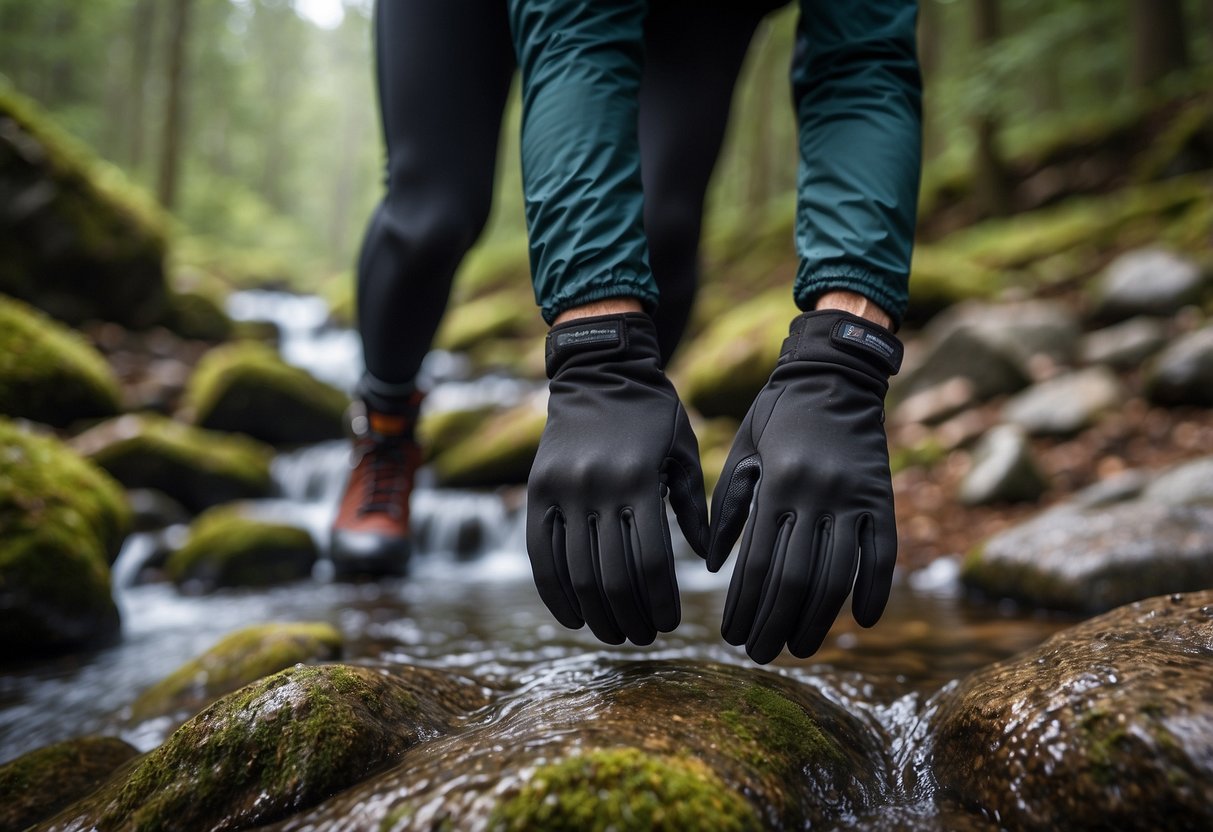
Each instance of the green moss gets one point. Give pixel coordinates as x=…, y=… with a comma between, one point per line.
x=49, y=373
x=38, y=784
x=61, y=521
x=240, y=658
x=439, y=432
x=226, y=548
x=775, y=731
x=198, y=468
x=622, y=789
x=499, y=453
x=924, y=454
x=507, y=313
x=246, y=387
x=197, y=315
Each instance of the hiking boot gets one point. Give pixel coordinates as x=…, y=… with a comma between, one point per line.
x=371, y=532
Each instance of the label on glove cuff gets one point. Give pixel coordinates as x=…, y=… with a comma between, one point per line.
x=595, y=335
x=869, y=339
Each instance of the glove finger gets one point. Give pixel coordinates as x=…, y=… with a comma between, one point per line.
x=840, y=552
x=877, y=556
x=647, y=533
x=731, y=499
x=585, y=572
x=751, y=576
x=620, y=583
x=545, y=545
x=684, y=479
x=792, y=577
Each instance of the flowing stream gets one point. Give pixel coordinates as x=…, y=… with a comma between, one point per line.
x=469, y=602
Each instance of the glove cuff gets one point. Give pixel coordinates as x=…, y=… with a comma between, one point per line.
x=830, y=334
x=626, y=334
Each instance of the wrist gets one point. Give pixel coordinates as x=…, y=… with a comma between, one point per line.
x=607, y=306
x=856, y=304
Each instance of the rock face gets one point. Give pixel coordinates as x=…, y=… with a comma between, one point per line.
x=1065, y=405
x=225, y=548
x=636, y=745
x=246, y=388
x=1108, y=725
x=1124, y=345
x=964, y=352
x=62, y=520
x=277, y=746
x=499, y=452
x=1094, y=560
x=1147, y=282
x=48, y=373
x=1188, y=484
x=197, y=468
x=237, y=660
x=74, y=240
x=37, y=785
x=1003, y=470
x=1183, y=373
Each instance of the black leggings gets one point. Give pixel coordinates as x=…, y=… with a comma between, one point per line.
x=444, y=71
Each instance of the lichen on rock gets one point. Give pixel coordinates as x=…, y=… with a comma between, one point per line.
x=227, y=548
x=240, y=658
x=245, y=387
x=62, y=520
x=48, y=373
x=196, y=467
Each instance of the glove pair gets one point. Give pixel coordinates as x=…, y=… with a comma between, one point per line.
x=807, y=480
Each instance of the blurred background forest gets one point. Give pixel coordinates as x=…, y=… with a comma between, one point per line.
x=253, y=121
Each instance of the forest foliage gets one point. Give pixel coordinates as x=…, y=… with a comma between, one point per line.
x=257, y=127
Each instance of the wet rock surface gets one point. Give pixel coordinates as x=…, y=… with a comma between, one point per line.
x=278, y=746
x=498, y=451
x=197, y=468
x=1004, y=469
x=239, y=659
x=246, y=388
x=227, y=548
x=1091, y=560
x=38, y=784
x=631, y=745
x=62, y=521
x=1108, y=725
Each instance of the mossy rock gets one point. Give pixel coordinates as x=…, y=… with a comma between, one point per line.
x=1107, y=725
x=240, y=658
x=508, y=313
x=278, y=746
x=722, y=370
x=439, y=432
x=246, y=388
x=197, y=468
x=77, y=239
x=36, y=785
x=48, y=373
x=62, y=520
x=617, y=789
x=498, y=453
x=226, y=548
x=634, y=746
x=198, y=315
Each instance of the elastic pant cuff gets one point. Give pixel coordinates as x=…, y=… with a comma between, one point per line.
x=810, y=286
x=637, y=288
x=388, y=397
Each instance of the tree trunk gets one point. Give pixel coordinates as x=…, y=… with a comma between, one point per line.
x=1160, y=45
x=143, y=24
x=174, y=110
x=990, y=178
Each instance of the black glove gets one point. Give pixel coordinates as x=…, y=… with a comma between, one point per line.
x=617, y=441
x=813, y=456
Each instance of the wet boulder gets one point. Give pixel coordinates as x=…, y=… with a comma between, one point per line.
x=36, y=785
x=195, y=467
x=227, y=548
x=62, y=521
x=238, y=659
x=277, y=746
x=1003, y=470
x=497, y=452
x=1107, y=725
x=76, y=239
x=1183, y=372
x=246, y=388
x=1147, y=282
x=197, y=315
x=48, y=373
x=632, y=746
x=1091, y=560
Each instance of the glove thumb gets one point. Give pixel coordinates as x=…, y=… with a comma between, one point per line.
x=732, y=496
x=683, y=476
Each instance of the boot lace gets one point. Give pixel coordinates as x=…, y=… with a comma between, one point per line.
x=388, y=472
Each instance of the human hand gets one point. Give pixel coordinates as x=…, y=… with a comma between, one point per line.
x=617, y=441
x=812, y=455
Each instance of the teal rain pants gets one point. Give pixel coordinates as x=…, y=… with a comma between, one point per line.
x=857, y=94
